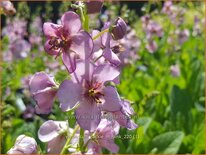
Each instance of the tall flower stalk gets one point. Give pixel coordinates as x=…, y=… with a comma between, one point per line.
x=90, y=92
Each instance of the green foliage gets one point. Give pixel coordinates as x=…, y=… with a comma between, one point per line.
x=167, y=143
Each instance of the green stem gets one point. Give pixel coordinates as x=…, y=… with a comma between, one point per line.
x=64, y=150
x=100, y=33
x=81, y=139
x=82, y=15
x=86, y=23
x=85, y=146
x=97, y=58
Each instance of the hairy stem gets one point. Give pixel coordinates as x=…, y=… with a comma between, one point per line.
x=81, y=139
x=100, y=33
x=64, y=150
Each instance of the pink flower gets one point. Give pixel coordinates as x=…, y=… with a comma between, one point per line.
x=54, y=133
x=8, y=7
x=107, y=45
x=104, y=136
x=123, y=115
x=168, y=7
x=15, y=29
x=68, y=39
x=183, y=35
x=154, y=28
x=175, y=70
x=151, y=46
x=145, y=21
x=24, y=145
x=87, y=88
x=43, y=89
x=20, y=48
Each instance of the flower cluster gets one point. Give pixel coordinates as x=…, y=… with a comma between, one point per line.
x=152, y=29
x=18, y=46
x=92, y=60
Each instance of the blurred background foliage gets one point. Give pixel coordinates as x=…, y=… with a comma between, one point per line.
x=170, y=109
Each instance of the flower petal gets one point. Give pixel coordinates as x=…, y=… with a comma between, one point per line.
x=24, y=145
x=111, y=57
x=48, y=48
x=83, y=71
x=109, y=128
x=106, y=72
x=88, y=115
x=40, y=81
x=82, y=44
x=51, y=129
x=55, y=145
x=112, y=99
x=69, y=94
x=69, y=60
x=110, y=145
x=71, y=22
x=98, y=41
x=51, y=30
x=106, y=37
x=124, y=120
x=44, y=99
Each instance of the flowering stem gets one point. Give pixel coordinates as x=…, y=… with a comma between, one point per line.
x=100, y=33
x=81, y=139
x=82, y=16
x=86, y=23
x=85, y=146
x=64, y=150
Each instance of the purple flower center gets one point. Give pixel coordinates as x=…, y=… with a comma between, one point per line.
x=118, y=49
x=60, y=43
x=93, y=92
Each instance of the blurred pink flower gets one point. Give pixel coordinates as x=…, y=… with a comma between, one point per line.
x=8, y=7
x=151, y=46
x=20, y=49
x=154, y=29
x=168, y=7
x=175, y=70
x=183, y=35
x=145, y=21
x=15, y=29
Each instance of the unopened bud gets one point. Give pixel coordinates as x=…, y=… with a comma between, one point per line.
x=94, y=6
x=24, y=145
x=118, y=29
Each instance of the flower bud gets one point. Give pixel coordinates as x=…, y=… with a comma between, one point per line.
x=94, y=6
x=118, y=29
x=24, y=145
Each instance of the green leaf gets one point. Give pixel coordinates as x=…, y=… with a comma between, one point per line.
x=167, y=143
x=199, y=143
x=181, y=104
